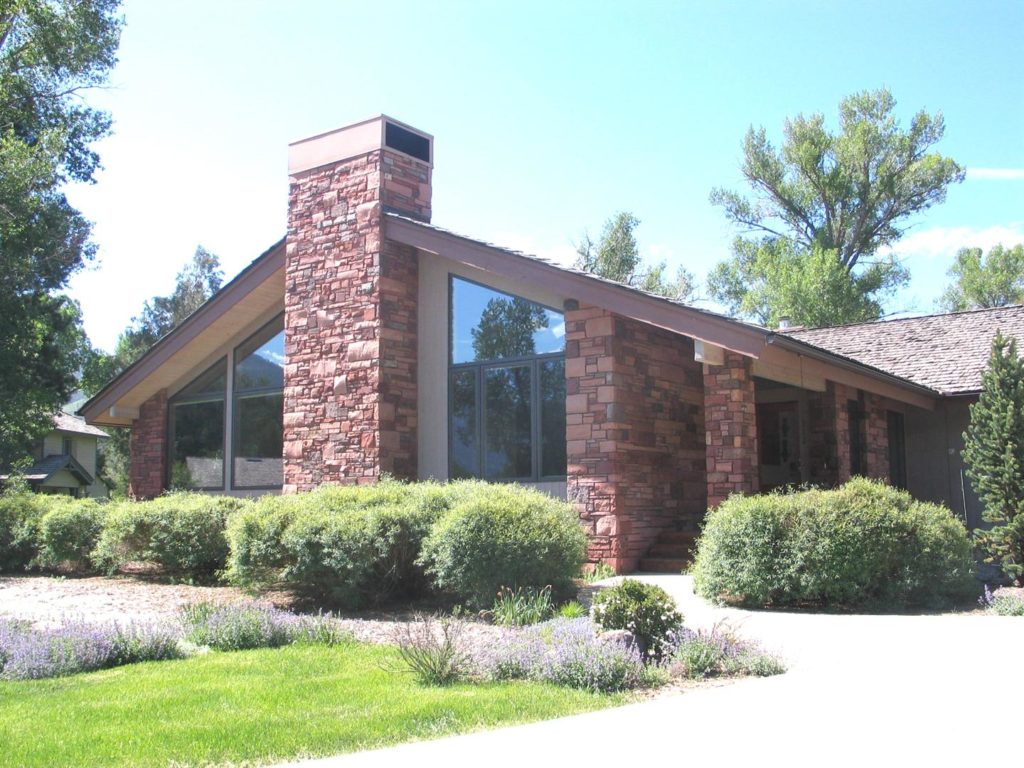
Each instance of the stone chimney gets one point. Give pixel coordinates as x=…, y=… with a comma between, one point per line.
x=350, y=304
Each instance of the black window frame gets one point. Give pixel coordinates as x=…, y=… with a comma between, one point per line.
x=177, y=400
x=479, y=368
x=236, y=396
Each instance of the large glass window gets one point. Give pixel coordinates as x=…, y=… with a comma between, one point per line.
x=197, y=432
x=259, y=409
x=506, y=386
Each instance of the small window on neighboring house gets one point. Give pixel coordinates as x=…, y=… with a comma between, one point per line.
x=506, y=412
x=69, y=447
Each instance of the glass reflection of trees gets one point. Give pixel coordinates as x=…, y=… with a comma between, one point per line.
x=507, y=412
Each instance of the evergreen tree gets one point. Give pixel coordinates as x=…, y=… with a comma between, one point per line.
x=994, y=455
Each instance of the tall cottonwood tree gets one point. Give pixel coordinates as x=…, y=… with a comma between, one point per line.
x=982, y=282
x=51, y=52
x=847, y=194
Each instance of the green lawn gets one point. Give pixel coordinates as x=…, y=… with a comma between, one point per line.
x=258, y=706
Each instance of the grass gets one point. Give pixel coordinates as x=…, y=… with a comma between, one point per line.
x=255, y=706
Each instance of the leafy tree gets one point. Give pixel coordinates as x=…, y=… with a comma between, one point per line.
x=51, y=51
x=994, y=455
x=847, y=193
x=196, y=282
x=980, y=282
x=615, y=256
x=506, y=328
x=774, y=278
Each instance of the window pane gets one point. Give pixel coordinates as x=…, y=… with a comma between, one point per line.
x=259, y=362
x=490, y=325
x=258, y=441
x=197, y=453
x=552, y=418
x=210, y=382
x=507, y=417
x=462, y=427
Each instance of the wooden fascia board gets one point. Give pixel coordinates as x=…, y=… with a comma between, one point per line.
x=790, y=367
x=97, y=408
x=732, y=335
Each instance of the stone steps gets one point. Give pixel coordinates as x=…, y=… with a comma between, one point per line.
x=670, y=553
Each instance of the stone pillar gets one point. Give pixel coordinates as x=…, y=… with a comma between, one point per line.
x=350, y=308
x=828, y=435
x=730, y=419
x=148, y=449
x=633, y=430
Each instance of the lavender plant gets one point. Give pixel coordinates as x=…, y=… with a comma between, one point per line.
x=1002, y=604
x=565, y=652
x=77, y=646
x=238, y=626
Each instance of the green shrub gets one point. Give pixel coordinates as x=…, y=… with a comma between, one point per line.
x=68, y=532
x=351, y=544
x=645, y=610
x=571, y=610
x=864, y=544
x=19, y=530
x=183, y=533
x=503, y=535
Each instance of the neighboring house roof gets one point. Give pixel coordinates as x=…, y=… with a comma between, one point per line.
x=946, y=353
x=46, y=468
x=66, y=422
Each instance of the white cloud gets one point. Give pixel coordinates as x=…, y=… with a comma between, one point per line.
x=946, y=241
x=1002, y=174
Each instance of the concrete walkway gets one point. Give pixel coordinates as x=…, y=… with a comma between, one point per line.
x=861, y=690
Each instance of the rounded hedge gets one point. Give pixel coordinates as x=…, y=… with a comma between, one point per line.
x=68, y=532
x=183, y=533
x=864, y=544
x=504, y=536
x=20, y=514
x=351, y=544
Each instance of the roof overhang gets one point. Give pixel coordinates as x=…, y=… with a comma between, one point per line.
x=257, y=291
x=629, y=302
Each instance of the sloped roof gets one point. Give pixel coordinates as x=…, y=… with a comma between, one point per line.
x=946, y=352
x=66, y=422
x=46, y=468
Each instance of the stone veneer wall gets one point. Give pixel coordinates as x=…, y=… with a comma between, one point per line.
x=828, y=434
x=730, y=418
x=634, y=426
x=350, y=322
x=148, y=449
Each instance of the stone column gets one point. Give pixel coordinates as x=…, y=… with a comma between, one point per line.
x=876, y=429
x=633, y=430
x=148, y=449
x=350, y=309
x=730, y=419
x=829, y=435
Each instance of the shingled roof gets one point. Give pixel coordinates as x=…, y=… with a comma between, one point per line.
x=946, y=352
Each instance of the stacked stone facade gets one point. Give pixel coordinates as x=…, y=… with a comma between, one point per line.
x=828, y=434
x=634, y=432
x=350, y=322
x=876, y=437
x=148, y=449
x=730, y=420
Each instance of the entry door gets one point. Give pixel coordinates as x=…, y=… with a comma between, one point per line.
x=778, y=429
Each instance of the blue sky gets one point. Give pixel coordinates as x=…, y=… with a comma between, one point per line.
x=547, y=117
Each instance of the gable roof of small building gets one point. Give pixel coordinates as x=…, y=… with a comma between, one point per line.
x=75, y=425
x=944, y=352
x=46, y=468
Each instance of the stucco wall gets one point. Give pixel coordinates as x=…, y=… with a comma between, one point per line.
x=433, y=355
x=935, y=471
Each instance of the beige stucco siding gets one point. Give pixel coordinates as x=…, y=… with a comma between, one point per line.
x=433, y=342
